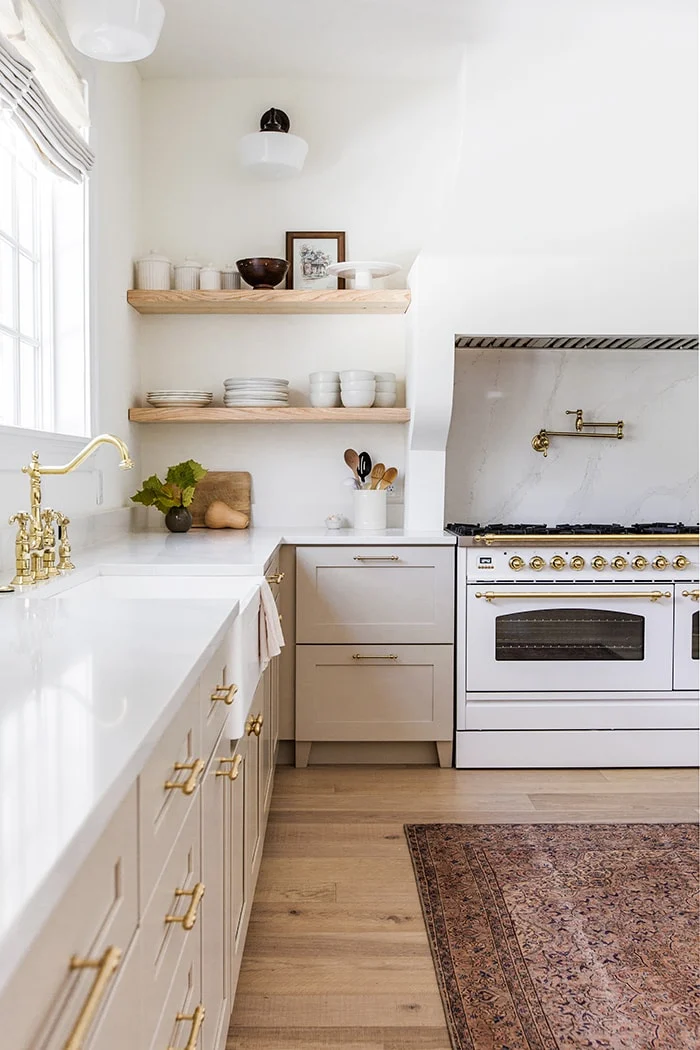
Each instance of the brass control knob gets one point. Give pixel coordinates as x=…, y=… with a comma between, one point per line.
x=599, y=562
x=619, y=562
x=537, y=563
x=640, y=562
x=558, y=563
x=516, y=563
x=577, y=562
x=661, y=562
x=681, y=562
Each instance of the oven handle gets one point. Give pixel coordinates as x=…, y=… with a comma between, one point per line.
x=652, y=596
x=695, y=595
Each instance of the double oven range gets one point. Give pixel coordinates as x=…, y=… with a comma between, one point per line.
x=577, y=645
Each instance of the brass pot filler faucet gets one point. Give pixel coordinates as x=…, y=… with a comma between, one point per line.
x=540, y=442
x=35, y=545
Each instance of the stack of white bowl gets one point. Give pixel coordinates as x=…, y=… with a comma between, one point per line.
x=385, y=396
x=357, y=388
x=179, y=398
x=324, y=389
x=256, y=393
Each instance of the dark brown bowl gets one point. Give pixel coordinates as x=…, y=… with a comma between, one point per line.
x=263, y=273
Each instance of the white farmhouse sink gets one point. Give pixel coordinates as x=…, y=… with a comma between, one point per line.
x=244, y=660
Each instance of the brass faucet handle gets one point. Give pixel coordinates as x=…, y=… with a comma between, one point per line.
x=578, y=412
x=23, y=564
x=64, y=548
x=19, y=519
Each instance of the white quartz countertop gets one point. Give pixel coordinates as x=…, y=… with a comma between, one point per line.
x=89, y=685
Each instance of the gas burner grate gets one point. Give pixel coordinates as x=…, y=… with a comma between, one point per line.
x=655, y=528
x=576, y=342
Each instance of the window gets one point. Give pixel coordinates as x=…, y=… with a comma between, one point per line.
x=43, y=362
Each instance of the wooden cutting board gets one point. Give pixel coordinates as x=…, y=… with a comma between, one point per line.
x=232, y=487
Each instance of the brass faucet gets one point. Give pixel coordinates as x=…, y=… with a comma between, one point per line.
x=35, y=545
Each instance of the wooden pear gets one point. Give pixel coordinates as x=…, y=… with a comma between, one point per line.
x=220, y=516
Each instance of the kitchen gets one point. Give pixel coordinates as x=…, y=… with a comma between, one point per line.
x=493, y=247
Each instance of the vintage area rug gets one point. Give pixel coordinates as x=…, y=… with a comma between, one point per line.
x=563, y=936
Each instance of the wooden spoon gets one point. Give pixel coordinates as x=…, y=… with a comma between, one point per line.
x=353, y=461
x=378, y=471
x=389, y=478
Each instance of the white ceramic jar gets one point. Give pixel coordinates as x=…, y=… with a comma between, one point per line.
x=210, y=278
x=230, y=278
x=153, y=272
x=370, y=509
x=187, y=276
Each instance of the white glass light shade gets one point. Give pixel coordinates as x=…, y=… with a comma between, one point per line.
x=273, y=154
x=114, y=30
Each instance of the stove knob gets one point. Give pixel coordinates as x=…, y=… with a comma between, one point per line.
x=640, y=562
x=599, y=562
x=661, y=562
x=558, y=563
x=619, y=562
x=577, y=562
x=516, y=563
x=681, y=562
x=537, y=563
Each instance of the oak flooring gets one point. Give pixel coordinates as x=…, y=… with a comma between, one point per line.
x=336, y=955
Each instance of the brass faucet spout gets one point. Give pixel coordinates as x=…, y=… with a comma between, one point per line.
x=101, y=439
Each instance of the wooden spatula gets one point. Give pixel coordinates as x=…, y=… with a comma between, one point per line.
x=378, y=471
x=389, y=478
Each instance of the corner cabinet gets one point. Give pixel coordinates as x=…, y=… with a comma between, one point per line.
x=144, y=948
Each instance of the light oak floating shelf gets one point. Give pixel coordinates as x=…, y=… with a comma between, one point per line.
x=276, y=301
x=269, y=415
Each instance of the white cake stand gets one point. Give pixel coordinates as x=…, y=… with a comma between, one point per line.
x=363, y=273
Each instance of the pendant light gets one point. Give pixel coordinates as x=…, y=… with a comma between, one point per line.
x=272, y=152
x=114, y=30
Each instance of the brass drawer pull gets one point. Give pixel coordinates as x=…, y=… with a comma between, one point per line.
x=190, y=917
x=224, y=693
x=235, y=769
x=196, y=1018
x=276, y=577
x=652, y=596
x=187, y=787
x=359, y=656
x=376, y=557
x=255, y=725
x=105, y=967
x=695, y=595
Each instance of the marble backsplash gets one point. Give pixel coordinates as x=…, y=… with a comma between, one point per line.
x=502, y=398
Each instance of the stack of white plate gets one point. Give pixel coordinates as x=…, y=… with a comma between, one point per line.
x=256, y=393
x=179, y=398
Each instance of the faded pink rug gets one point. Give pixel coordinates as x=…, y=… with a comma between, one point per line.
x=563, y=936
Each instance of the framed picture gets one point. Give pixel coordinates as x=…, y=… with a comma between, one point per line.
x=309, y=256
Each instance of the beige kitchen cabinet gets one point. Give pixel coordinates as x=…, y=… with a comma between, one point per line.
x=183, y=1013
x=239, y=890
x=400, y=595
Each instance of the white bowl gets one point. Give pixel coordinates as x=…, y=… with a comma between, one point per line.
x=324, y=377
x=324, y=387
x=385, y=377
x=356, y=400
x=357, y=376
x=385, y=400
x=324, y=400
x=358, y=388
x=384, y=384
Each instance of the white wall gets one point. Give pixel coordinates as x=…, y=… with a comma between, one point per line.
x=376, y=169
x=575, y=206
x=502, y=398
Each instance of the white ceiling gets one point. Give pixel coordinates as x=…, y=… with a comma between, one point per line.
x=310, y=38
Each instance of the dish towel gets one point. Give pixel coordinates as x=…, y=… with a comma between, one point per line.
x=269, y=626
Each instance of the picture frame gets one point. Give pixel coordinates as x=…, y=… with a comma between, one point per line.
x=308, y=253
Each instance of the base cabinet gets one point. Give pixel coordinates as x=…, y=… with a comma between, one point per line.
x=215, y=909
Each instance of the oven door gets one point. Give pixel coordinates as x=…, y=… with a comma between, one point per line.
x=686, y=666
x=523, y=637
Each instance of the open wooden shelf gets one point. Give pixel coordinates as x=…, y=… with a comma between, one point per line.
x=276, y=301
x=269, y=415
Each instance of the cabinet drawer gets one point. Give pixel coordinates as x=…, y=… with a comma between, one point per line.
x=163, y=809
x=217, y=695
x=164, y=941
x=375, y=594
x=46, y=997
x=374, y=692
x=180, y=1008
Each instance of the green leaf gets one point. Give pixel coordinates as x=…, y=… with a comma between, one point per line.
x=186, y=474
x=187, y=495
x=177, y=490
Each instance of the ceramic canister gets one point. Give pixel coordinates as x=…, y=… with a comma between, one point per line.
x=210, y=278
x=230, y=278
x=153, y=272
x=187, y=275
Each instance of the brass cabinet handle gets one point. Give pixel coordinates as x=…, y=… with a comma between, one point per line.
x=359, y=656
x=653, y=596
x=190, y=917
x=196, y=1018
x=105, y=967
x=375, y=557
x=235, y=769
x=224, y=693
x=186, y=786
x=695, y=595
x=255, y=725
x=276, y=577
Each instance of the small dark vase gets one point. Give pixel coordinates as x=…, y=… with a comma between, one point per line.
x=178, y=519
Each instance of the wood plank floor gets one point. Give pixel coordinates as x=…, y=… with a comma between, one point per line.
x=337, y=954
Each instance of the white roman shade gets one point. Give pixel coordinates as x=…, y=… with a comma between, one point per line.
x=41, y=91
